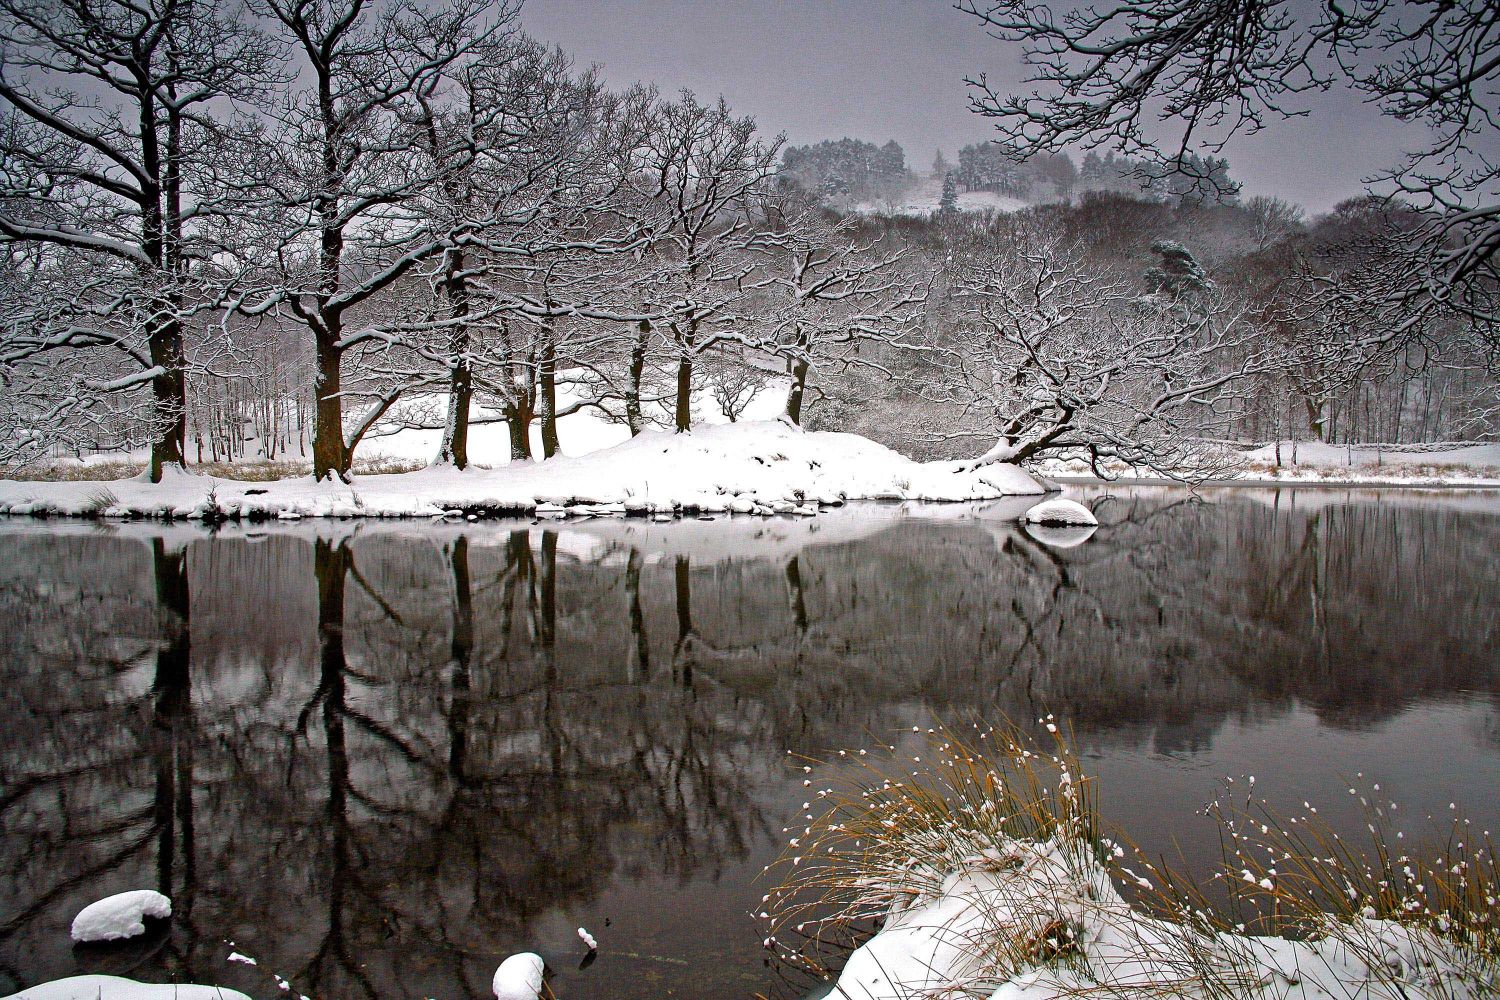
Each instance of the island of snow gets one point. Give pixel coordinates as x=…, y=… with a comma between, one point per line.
x=764, y=467
x=1062, y=513
x=519, y=977
x=116, y=988
x=120, y=916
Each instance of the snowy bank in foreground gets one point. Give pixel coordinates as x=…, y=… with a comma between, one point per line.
x=1067, y=932
x=989, y=876
x=765, y=467
x=120, y=916
x=116, y=988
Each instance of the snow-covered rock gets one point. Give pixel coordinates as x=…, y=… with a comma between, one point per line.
x=120, y=916
x=117, y=988
x=1061, y=512
x=519, y=977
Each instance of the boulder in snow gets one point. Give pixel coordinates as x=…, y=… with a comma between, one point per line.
x=117, y=988
x=120, y=916
x=1061, y=512
x=519, y=977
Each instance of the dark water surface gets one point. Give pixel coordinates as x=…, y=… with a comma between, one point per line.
x=379, y=758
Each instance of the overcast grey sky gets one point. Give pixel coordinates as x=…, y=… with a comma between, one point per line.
x=894, y=69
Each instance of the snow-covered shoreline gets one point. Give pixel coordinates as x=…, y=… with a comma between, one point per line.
x=763, y=468
x=1474, y=466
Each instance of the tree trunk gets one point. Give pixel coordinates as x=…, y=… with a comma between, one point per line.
x=683, y=418
x=637, y=373
x=455, y=447
x=547, y=386
x=330, y=457
x=795, y=393
x=169, y=399
x=518, y=422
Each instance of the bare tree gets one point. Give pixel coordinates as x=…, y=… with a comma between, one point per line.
x=112, y=129
x=1200, y=73
x=1060, y=359
x=339, y=184
x=701, y=166
x=832, y=293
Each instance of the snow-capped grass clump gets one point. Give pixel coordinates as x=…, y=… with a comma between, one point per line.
x=982, y=861
x=519, y=977
x=121, y=916
x=117, y=988
x=1058, y=512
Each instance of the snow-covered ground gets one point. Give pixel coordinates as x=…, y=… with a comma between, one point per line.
x=924, y=198
x=1315, y=463
x=764, y=467
x=579, y=433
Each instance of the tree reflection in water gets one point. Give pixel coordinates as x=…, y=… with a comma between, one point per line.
x=381, y=758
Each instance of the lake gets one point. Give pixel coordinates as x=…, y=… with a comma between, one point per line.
x=378, y=757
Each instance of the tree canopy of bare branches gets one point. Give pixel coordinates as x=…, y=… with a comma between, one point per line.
x=1164, y=78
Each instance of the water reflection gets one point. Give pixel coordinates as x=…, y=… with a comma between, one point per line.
x=379, y=758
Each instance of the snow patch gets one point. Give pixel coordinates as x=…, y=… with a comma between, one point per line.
x=120, y=916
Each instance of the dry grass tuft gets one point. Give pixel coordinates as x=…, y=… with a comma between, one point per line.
x=1297, y=908
x=895, y=826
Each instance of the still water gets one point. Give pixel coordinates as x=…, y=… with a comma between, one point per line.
x=378, y=758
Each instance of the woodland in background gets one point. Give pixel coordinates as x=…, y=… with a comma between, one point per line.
x=287, y=229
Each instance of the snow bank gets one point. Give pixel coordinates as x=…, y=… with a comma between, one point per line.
x=116, y=988
x=1043, y=921
x=519, y=977
x=1060, y=512
x=120, y=916
x=765, y=467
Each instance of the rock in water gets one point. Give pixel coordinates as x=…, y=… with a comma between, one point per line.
x=121, y=916
x=1061, y=512
x=519, y=977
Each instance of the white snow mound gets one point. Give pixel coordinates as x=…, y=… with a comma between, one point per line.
x=519, y=977
x=764, y=467
x=1060, y=511
x=120, y=916
x=117, y=988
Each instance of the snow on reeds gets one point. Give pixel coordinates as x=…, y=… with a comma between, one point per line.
x=981, y=863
